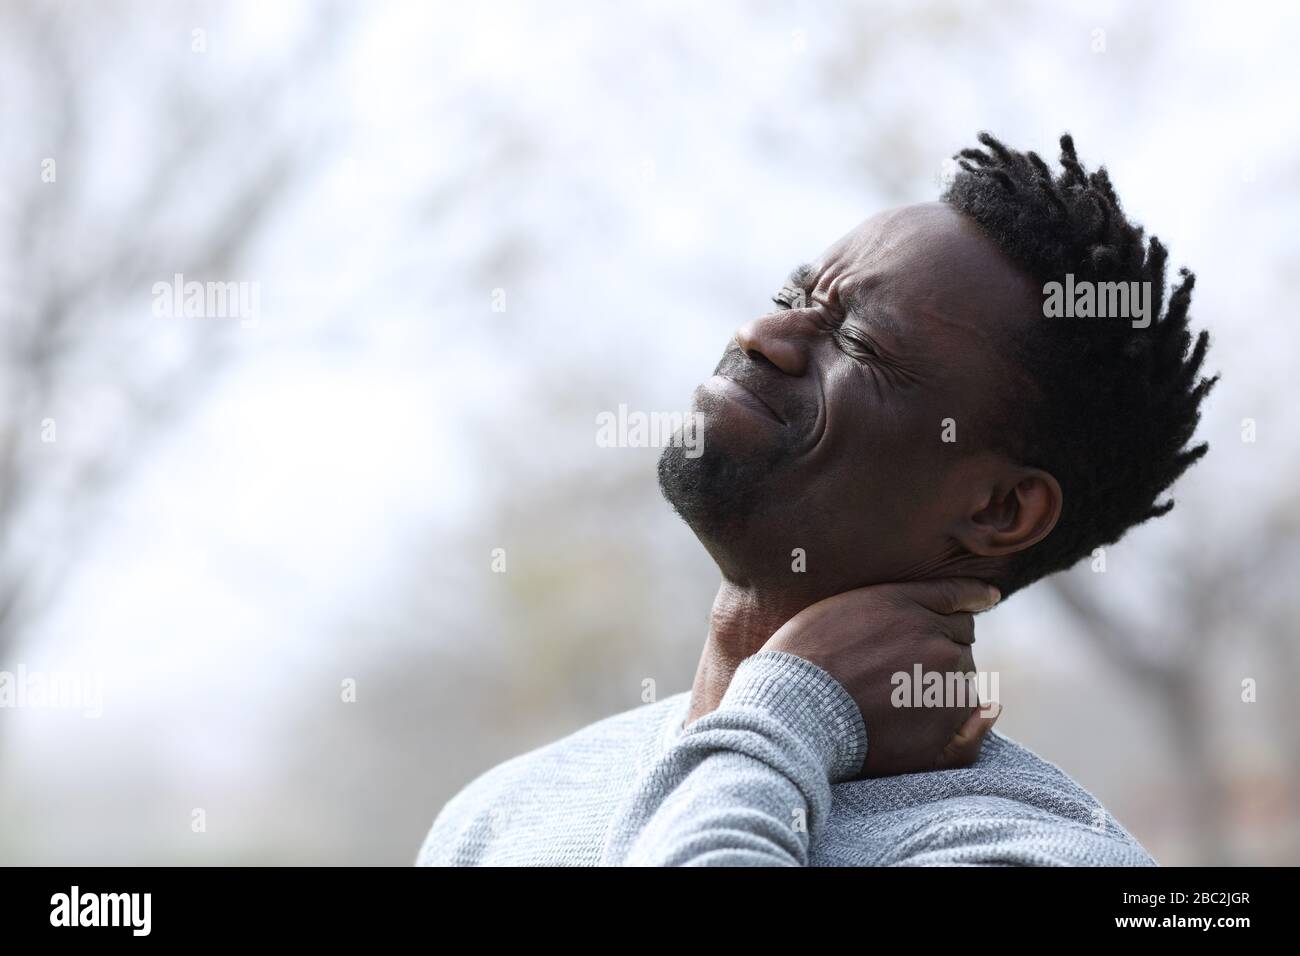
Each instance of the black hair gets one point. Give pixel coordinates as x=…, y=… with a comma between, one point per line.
x=1116, y=405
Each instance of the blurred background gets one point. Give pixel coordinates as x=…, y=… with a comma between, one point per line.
x=269, y=538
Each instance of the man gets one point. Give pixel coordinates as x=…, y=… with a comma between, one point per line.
x=915, y=432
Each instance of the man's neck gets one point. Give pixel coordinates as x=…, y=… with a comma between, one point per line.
x=742, y=620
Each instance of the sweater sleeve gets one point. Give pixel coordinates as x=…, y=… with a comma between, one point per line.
x=747, y=784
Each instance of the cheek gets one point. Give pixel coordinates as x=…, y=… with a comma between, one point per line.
x=887, y=465
x=885, y=438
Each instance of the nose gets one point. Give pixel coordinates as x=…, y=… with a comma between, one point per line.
x=782, y=338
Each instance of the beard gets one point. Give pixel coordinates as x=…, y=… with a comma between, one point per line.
x=718, y=491
x=715, y=493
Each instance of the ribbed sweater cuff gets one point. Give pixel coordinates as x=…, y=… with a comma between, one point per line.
x=808, y=700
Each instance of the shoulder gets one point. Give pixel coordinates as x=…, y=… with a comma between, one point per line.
x=1011, y=807
x=1013, y=770
x=544, y=784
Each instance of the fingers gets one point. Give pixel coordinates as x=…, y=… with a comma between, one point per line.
x=959, y=628
x=965, y=745
x=951, y=595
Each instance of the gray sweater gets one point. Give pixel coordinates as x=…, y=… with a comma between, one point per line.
x=764, y=780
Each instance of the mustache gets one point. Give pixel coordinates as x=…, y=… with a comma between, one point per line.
x=733, y=361
x=799, y=411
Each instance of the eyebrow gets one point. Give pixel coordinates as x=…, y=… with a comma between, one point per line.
x=799, y=276
x=797, y=280
x=851, y=300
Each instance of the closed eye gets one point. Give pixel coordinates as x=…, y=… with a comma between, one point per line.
x=794, y=291
x=854, y=343
x=789, y=298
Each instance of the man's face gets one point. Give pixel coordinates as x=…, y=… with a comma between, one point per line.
x=825, y=423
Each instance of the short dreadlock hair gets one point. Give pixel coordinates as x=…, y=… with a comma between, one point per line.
x=1116, y=405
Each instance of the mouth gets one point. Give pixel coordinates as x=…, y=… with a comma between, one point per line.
x=733, y=391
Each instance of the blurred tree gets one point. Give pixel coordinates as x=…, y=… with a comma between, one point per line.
x=1228, y=593
x=116, y=181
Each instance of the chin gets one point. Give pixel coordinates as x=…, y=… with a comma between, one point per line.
x=714, y=493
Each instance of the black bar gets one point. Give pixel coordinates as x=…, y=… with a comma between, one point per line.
x=338, y=905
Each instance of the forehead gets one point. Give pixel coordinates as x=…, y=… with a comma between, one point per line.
x=923, y=265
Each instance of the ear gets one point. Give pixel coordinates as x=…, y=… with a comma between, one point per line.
x=1012, y=514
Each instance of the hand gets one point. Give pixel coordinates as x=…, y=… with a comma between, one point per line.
x=864, y=637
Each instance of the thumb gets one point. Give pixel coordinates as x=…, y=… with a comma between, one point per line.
x=951, y=595
x=965, y=744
